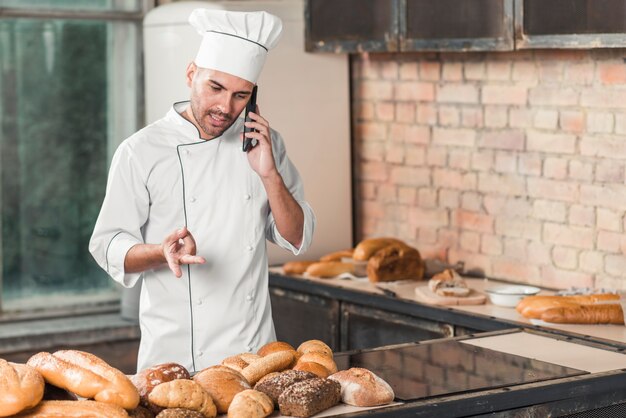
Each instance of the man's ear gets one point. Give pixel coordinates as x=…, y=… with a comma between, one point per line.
x=191, y=70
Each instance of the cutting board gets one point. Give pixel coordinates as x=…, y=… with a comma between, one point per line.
x=425, y=295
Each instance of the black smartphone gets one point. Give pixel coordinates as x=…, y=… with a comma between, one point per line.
x=250, y=107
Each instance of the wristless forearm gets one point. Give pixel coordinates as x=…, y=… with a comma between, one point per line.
x=142, y=257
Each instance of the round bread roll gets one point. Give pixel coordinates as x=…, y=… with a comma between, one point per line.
x=183, y=393
x=338, y=255
x=361, y=387
x=296, y=267
x=21, y=387
x=251, y=404
x=222, y=383
x=74, y=409
x=315, y=345
x=327, y=269
x=146, y=380
x=320, y=358
x=312, y=367
x=87, y=376
x=368, y=247
x=277, y=346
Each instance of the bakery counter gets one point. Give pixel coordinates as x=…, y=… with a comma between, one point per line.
x=355, y=313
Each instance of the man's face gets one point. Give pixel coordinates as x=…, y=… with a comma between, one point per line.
x=217, y=99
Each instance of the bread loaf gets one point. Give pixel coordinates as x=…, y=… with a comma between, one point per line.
x=274, y=347
x=314, y=345
x=240, y=361
x=296, y=267
x=338, y=255
x=222, y=383
x=273, y=362
x=610, y=313
x=312, y=367
x=326, y=269
x=250, y=404
x=182, y=393
x=366, y=248
x=309, y=397
x=74, y=409
x=533, y=307
x=146, y=380
x=395, y=262
x=179, y=413
x=21, y=387
x=361, y=387
x=321, y=358
x=276, y=385
x=87, y=376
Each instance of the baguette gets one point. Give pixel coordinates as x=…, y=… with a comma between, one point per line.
x=75, y=409
x=533, y=307
x=368, y=247
x=273, y=362
x=296, y=267
x=326, y=269
x=586, y=314
x=338, y=255
x=21, y=387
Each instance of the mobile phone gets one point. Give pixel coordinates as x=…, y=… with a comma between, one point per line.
x=248, y=143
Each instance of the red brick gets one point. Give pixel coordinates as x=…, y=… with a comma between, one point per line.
x=427, y=236
x=499, y=70
x=474, y=263
x=491, y=245
x=364, y=110
x=525, y=71
x=496, y=94
x=600, y=122
x=515, y=248
x=475, y=70
x=436, y=156
x=580, y=170
x=553, y=96
x=482, y=160
x=579, y=73
x=427, y=114
x=371, y=131
x=472, y=117
x=394, y=153
x=609, y=241
x=369, y=69
x=620, y=123
x=549, y=210
x=563, y=279
x=503, y=184
x=455, y=137
x=610, y=73
x=415, y=155
x=397, y=132
x=459, y=159
x=448, y=237
x=449, y=116
x=615, y=265
x=555, y=168
x=518, y=227
x=609, y=196
x=457, y=93
x=609, y=220
x=408, y=71
x=550, y=71
x=519, y=207
x=374, y=171
x=429, y=70
x=608, y=147
x=611, y=171
x=405, y=112
x=470, y=241
x=572, y=121
x=507, y=140
x=494, y=205
x=529, y=164
x=410, y=176
x=385, y=111
x=506, y=162
x=603, y=98
x=414, y=91
x=571, y=236
x=375, y=90
x=417, y=134
x=387, y=193
x=452, y=71
x=539, y=253
x=564, y=257
x=515, y=270
x=552, y=189
x=372, y=151
x=496, y=116
x=546, y=119
x=471, y=201
x=449, y=198
x=520, y=118
x=367, y=190
x=427, y=198
x=473, y=221
x=428, y=218
x=407, y=195
x=452, y=179
x=372, y=209
x=608, y=282
x=556, y=143
x=389, y=70
x=591, y=261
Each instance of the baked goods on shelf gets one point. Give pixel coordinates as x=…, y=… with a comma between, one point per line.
x=86, y=375
x=223, y=384
x=338, y=255
x=74, y=409
x=361, y=387
x=326, y=269
x=448, y=283
x=533, y=307
x=274, y=386
x=308, y=397
x=250, y=404
x=183, y=393
x=395, y=262
x=368, y=247
x=610, y=313
x=146, y=380
x=21, y=387
x=296, y=267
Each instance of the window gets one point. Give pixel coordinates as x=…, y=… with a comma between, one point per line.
x=69, y=94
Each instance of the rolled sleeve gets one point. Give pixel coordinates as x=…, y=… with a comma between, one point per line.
x=307, y=231
x=115, y=256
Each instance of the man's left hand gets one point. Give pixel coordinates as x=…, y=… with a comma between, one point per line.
x=260, y=157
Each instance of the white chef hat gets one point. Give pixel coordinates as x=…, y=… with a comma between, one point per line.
x=235, y=42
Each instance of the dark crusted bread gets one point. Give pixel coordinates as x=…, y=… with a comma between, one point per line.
x=140, y=412
x=309, y=397
x=274, y=386
x=395, y=262
x=179, y=413
x=146, y=380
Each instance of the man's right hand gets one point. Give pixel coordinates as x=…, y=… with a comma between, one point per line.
x=179, y=247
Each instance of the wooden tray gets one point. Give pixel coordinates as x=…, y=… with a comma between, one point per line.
x=425, y=295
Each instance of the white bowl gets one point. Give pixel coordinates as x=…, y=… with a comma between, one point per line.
x=510, y=295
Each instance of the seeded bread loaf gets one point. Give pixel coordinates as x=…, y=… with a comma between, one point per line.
x=308, y=397
x=276, y=385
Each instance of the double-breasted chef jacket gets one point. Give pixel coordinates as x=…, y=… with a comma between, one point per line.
x=165, y=177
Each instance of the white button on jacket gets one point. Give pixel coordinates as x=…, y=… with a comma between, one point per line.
x=150, y=185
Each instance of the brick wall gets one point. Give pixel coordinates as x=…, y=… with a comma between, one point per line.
x=512, y=162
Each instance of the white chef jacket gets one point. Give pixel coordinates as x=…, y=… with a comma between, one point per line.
x=164, y=177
